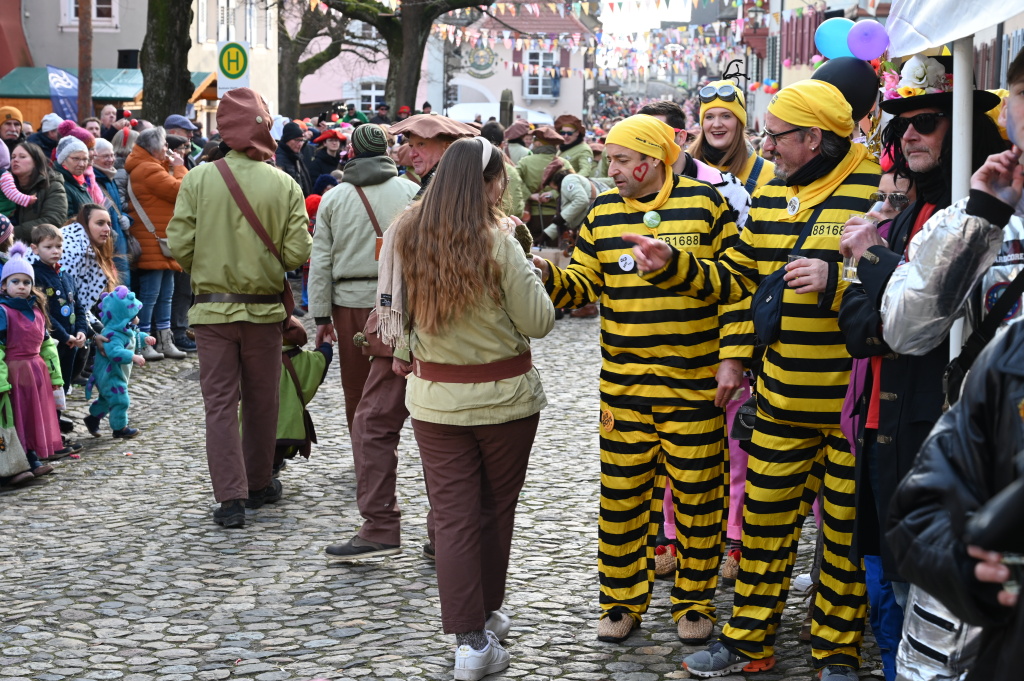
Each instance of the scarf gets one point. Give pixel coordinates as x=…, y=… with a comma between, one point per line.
x=832, y=174
x=92, y=186
x=656, y=200
x=390, y=308
x=710, y=154
x=932, y=186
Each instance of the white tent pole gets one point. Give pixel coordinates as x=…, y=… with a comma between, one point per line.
x=963, y=124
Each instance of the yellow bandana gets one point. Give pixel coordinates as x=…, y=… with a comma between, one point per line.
x=737, y=106
x=649, y=136
x=814, y=193
x=813, y=104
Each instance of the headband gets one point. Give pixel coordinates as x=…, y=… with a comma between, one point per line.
x=487, y=151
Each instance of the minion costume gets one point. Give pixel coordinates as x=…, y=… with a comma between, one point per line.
x=658, y=419
x=757, y=172
x=797, y=444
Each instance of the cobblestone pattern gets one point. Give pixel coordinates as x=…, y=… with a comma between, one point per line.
x=113, y=569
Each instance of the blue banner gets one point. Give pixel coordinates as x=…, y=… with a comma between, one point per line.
x=63, y=92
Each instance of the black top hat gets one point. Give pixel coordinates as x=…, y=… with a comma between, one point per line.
x=983, y=100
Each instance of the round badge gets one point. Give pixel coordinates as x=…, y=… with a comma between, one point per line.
x=626, y=262
x=794, y=206
x=607, y=421
x=65, y=311
x=652, y=219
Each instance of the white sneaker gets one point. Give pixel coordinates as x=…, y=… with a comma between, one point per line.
x=473, y=665
x=499, y=623
x=801, y=584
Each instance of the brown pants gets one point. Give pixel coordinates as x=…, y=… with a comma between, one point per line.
x=354, y=365
x=376, y=431
x=239, y=359
x=474, y=475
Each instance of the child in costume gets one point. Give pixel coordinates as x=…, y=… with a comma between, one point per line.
x=31, y=368
x=119, y=311
x=301, y=376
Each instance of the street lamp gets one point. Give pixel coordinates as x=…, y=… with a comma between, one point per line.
x=755, y=15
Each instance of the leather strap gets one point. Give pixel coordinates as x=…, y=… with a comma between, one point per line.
x=243, y=205
x=473, y=373
x=369, y=210
x=290, y=368
x=244, y=298
x=138, y=209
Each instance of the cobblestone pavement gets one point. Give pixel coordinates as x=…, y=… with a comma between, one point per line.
x=112, y=568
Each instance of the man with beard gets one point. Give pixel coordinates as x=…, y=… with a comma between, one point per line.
x=10, y=127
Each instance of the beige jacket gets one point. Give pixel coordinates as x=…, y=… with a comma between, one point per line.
x=487, y=333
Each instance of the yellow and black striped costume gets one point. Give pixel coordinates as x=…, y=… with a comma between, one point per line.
x=659, y=359
x=797, y=442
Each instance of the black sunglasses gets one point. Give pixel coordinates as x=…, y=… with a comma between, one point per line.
x=897, y=200
x=924, y=123
x=567, y=133
x=774, y=136
x=710, y=93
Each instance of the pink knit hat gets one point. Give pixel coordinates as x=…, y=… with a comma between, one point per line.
x=71, y=128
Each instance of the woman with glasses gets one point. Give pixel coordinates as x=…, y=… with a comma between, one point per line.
x=72, y=161
x=722, y=140
x=573, y=149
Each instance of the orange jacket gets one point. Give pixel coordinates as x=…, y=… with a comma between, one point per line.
x=156, y=186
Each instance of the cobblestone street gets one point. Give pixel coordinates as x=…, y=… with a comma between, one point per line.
x=113, y=569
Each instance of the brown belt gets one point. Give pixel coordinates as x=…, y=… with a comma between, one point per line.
x=473, y=373
x=245, y=298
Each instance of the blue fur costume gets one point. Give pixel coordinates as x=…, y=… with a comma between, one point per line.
x=110, y=374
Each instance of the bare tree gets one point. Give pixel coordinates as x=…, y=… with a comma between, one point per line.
x=330, y=35
x=164, y=59
x=405, y=34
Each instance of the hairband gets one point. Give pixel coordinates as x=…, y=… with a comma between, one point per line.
x=487, y=150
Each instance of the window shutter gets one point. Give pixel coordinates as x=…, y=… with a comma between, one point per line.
x=565, y=58
x=517, y=63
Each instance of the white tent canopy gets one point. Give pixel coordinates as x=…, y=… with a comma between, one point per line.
x=917, y=25
x=467, y=112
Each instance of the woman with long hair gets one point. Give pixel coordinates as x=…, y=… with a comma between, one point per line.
x=472, y=301
x=89, y=254
x=33, y=175
x=722, y=140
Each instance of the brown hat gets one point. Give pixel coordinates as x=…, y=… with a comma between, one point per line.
x=547, y=135
x=517, y=130
x=568, y=119
x=432, y=125
x=294, y=332
x=597, y=147
x=550, y=170
x=9, y=113
x=244, y=124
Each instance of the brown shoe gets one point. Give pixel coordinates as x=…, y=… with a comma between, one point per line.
x=611, y=631
x=588, y=310
x=665, y=563
x=731, y=567
x=805, y=628
x=694, y=629
x=22, y=478
x=45, y=469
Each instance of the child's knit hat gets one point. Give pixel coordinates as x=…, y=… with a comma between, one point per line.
x=17, y=264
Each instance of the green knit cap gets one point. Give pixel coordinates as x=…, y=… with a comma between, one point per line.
x=369, y=138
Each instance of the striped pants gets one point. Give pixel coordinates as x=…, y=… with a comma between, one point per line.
x=786, y=467
x=642, y=451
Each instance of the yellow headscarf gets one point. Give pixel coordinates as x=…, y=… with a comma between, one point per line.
x=813, y=104
x=649, y=136
x=736, y=106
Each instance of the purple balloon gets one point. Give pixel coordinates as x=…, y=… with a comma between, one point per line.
x=867, y=40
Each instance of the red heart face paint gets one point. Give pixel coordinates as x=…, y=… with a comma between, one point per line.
x=640, y=172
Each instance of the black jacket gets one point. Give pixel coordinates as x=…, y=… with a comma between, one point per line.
x=43, y=141
x=967, y=459
x=911, y=393
x=322, y=163
x=292, y=163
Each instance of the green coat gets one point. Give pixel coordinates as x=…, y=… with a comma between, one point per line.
x=531, y=169
x=51, y=206
x=581, y=156
x=76, y=194
x=213, y=242
x=311, y=368
x=513, y=201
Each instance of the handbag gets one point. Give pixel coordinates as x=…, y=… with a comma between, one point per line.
x=956, y=371
x=287, y=297
x=160, y=241
x=368, y=340
x=766, y=307
x=12, y=454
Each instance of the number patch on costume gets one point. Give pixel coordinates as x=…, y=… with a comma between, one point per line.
x=828, y=229
x=680, y=240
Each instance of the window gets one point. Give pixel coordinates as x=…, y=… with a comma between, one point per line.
x=250, y=21
x=104, y=13
x=202, y=10
x=539, y=85
x=371, y=93
x=226, y=17
x=367, y=31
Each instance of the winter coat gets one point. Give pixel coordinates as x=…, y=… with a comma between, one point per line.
x=295, y=167
x=517, y=152
x=75, y=191
x=120, y=223
x=581, y=156
x=343, y=269
x=156, y=187
x=216, y=245
x=513, y=199
x=64, y=308
x=969, y=457
x=322, y=163
x=44, y=142
x=51, y=206
x=531, y=169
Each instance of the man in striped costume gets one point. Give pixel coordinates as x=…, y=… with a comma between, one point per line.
x=821, y=178
x=661, y=352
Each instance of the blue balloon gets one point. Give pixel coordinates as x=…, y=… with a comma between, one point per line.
x=830, y=38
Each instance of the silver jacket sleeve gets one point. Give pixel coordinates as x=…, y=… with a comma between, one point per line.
x=928, y=291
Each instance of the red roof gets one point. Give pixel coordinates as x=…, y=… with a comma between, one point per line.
x=527, y=23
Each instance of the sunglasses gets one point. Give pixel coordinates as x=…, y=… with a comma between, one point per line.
x=897, y=200
x=710, y=93
x=774, y=136
x=568, y=133
x=924, y=123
